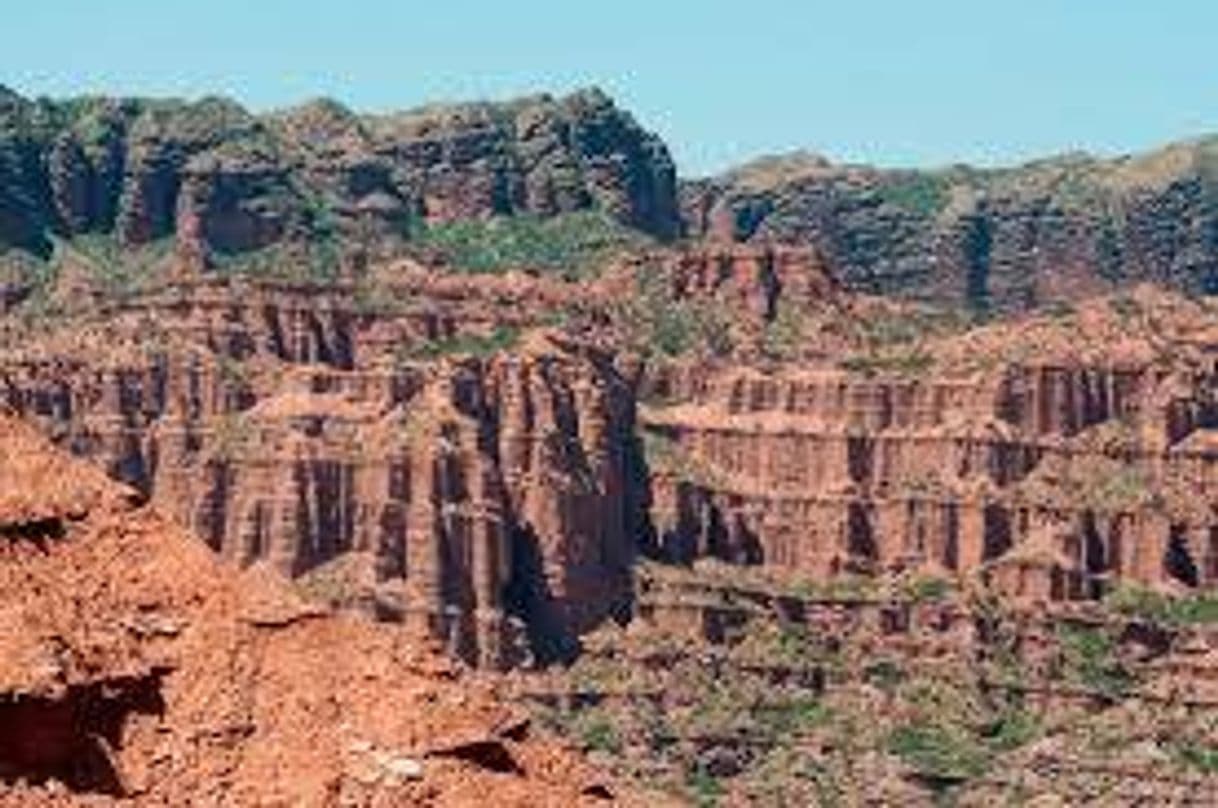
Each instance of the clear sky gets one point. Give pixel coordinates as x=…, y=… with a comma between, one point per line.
x=894, y=82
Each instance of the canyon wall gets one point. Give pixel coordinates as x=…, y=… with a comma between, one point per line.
x=320, y=179
x=1049, y=477
x=438, y=450
x=487, y=501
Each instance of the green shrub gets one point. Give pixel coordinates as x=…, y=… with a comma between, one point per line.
x=598, y=734
x=911, y=324
x=920, y=193
x=673, y=331
x=1195, y=756
x=938, y=752
x=1013, y=729
x=884, y=674
x=1122, y=490
x=571, y=245
x=1089, y=658
x=714, y=329
x=1155, y=607
x=118, y=271
x=317, y=260
x=794, y=642
x=792, y=716
x=784, y=336
x=232, y=372
x=707, y=791
x=657, y=322
x=501, y=339
x=929, y=590
x=901, y=363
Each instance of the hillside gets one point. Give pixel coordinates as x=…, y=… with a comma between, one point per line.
x=874, y=486
x=317, y=178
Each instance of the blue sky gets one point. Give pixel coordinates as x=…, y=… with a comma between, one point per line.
x=900, y=82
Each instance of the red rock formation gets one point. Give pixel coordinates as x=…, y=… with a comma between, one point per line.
x=958, y=468
x=749, y=279
x=277, y=424
x=483, y=498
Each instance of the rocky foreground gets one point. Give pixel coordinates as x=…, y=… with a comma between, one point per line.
x=137, y=666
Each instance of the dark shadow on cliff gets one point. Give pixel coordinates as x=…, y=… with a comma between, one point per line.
x=74, y=738
x=638, y=497
x=528, y=596
x=636, y=500
x=1178, y=562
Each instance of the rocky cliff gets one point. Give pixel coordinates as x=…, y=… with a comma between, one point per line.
x=813, y=541
x=137, y=168
x=1052, y=458
x=990, y=238
x=317, y=183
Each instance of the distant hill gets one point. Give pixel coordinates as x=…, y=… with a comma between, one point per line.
x=137, y=168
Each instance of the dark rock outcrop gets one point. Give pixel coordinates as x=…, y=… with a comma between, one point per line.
x=135, y=167
x=1001, y=238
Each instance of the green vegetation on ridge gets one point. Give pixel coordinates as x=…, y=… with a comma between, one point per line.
x=571, y=245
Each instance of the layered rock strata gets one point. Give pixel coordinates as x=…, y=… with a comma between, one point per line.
x=1053, y=475
x=417, y=448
